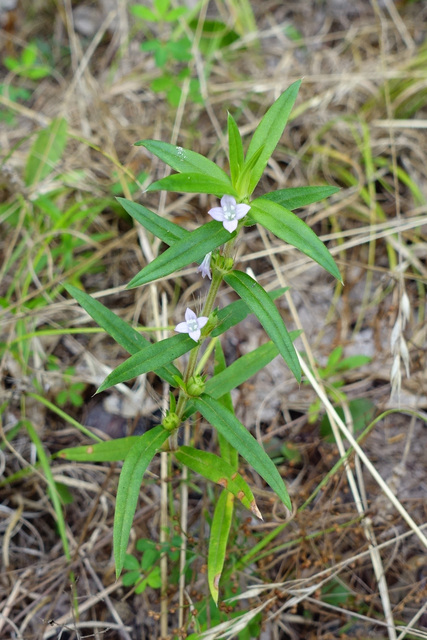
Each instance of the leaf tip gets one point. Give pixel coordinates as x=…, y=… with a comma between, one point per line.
x=256, y=511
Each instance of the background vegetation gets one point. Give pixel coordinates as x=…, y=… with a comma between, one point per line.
x=80, y=83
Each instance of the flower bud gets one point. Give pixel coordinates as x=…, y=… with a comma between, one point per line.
x=171, y=421
x=195, y=386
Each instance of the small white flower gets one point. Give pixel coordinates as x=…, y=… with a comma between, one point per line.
x=205, y=267
x=229, y=212
x=192, y=325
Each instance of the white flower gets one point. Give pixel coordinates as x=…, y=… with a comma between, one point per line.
x=205, y=267
x=192, y=324
x=229, y=212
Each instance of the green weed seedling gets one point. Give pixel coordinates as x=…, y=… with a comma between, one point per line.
x=172, y=48
x=72, y=393
x=14, y=94
x=193, y=390
x=332, y=374
x=171, y=51
x=29, y=64
x=146, y=571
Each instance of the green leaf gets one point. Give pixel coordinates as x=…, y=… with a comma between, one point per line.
x=237, y=311
x=296, y=197
x=235, y=149
x=262, y=306
x=152, y=357
x=110, y=451
x=229, y=378
x=143, y=12
x=167, y=231
x=161, y=6
x=29, y=55
x=134, y=467
x=46, y=151
x=125, y=335
x=228, y=453
x=269, y=131
x=174, y=14
x=288, y=227
x=220, y=531
x=154, y=578
x=245, y=177
x=184, y=160
x=243, y=368
x=240, y=438
x=362, y=411
x=219, y=471
x=192, y=248
x=195, y=183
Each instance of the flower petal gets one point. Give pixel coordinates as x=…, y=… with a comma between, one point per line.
x=217, y=213
x=205, y=267
x=195, y=335
x=189, y=315
x=241, y=210
x=181, y=327
x=228, y=201
x=230, y=225
x=202, y=321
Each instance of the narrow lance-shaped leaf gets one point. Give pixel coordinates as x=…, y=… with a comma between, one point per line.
x=192, y=248
x=237, y=311
x=228, y=453
x=183, y=160
x=289, y=227
x=167, y=231
x=229, y=378
x=240, y=438
x=260, y=303
x=243, y=368
x=148, y=359
x=245, y=177
x=194, y=183
x=134, y=467
x=219, y=471
x=296, y=197
x=110, y=451
x=269, y=131
x=125, y=335
x=235, y=149
x=220, y=531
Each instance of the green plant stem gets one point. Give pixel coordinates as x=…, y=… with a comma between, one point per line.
x=217, y=277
